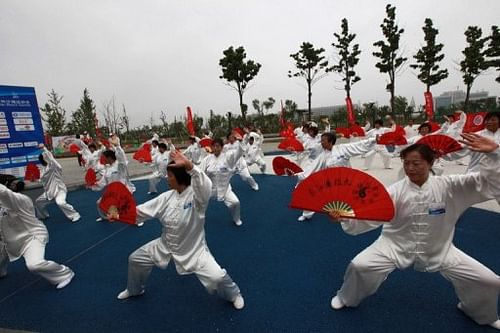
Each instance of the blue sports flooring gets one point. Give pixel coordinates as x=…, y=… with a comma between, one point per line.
x=287, y=271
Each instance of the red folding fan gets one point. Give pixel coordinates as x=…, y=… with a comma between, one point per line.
x=440, y=144
x=239, y=131
x=291, y=143
x=32, y=172
x=392, y=138
x=282, y=166
x=350, y=192
x=434, y=126
x=357, y=129
x=118, y=203
x=90, y=177
x=74, y=148
x=346, y=133
x=146, y=146
x=206, y=142
x=143, y=155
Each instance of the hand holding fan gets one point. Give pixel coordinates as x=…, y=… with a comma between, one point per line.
x=291, y=143
x=358, y=130
x=118, y=203
x=282, y=166
x=348, y=192
x=440, y=144
x=32, y=172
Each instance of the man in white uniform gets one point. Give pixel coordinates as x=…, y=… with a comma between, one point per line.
x=421, y=232
x=241, y=166
x=54, y=187
x=23, y=235
x=194, y=152
x=181, y=211
x=159, y=164
x=379, y=149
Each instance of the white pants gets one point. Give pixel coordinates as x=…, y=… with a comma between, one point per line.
x=233, y=203
x=386, y=158
x=153, y=182
x=208, y=271
x=260, y=162
x=476, y=286
x=60, y=200
x=34, y=256
x=247, y=177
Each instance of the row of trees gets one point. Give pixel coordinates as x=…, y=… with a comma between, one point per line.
x=480, y=54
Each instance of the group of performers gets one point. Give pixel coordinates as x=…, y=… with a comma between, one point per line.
x=420, y=234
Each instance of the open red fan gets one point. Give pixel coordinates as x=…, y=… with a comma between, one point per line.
x=434, y=126
x=282, y=166
x=74, y=148
x=206, y=142
x=118, y=203
x=291, y=143
x=392, y=138
x=143, y=155
x=357, y=129
x=146, y=146
x=239, y=131
x=350, y=192
x=90, y=177
x=440, y=144
x=32, y=172
x=346, y=133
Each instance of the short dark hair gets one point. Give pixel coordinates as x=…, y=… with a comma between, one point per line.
x=155, y=142
x=109, y=154
x=181, y=175
x=92, y=145
x=424, y=150
x=219, y=141
x=379, y=121
x=425, y=125
x=491, y=115
x=330, y=137
x=8, y=180
x=162, y=146
x=42, y=160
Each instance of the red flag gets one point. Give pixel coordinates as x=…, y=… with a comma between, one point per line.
x=474, y=122
x=350, y=111
x=189, y=120
x=429, y=105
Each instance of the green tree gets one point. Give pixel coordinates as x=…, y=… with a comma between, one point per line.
x=493, y=51
x=390, y=60
x=428, y=58
x=400, y=106
x=83, y=117
x=311, y=66
x=474, y=62
x=55, y=115
x=291, y=109
x=348, y=57
x=265, y=105
x=238, y=72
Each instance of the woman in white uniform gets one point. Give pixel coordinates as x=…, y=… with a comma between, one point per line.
x=54, y=187
x=23, y=235
x=181, y=211
x=219, y=167
x=159, y=165
x=421, y=233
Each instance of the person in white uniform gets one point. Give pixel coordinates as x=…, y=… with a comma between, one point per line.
x=23, y=235
x=181, y=211
x=159, y=164
x=219, y=167
x=253, y=152
x=194, y=152
x=241, y=167
x=421, y=232
x=54, y=187
x=333, y=156
x=379, y=149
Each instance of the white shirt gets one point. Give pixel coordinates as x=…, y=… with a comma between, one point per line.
x=116, y=172
x=182, y=216
x=421, y=232
x=18, y=223
x=51, y=175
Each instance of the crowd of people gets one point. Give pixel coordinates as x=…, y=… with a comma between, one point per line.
x=420, y=235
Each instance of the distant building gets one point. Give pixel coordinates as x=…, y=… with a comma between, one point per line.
x=456, y=97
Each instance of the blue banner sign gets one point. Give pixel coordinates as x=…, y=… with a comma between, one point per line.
x=20, y=128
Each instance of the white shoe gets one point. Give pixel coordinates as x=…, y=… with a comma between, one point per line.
x=64, y=283
x=76, y=218
x=238, y=223
x=303, y=218
x=496, y=324
x=239, y=302
x=140, y=224
x=99, y=219
x=256, y=188
x=125, y=294
x=337, y=303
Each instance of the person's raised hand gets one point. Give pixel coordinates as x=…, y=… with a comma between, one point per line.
x=478, y=143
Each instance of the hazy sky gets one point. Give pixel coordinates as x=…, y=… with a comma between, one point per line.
x=164, y=55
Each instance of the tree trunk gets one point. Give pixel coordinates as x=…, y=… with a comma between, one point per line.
x=309, y=96
x=467, y=93
x=243, y=111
